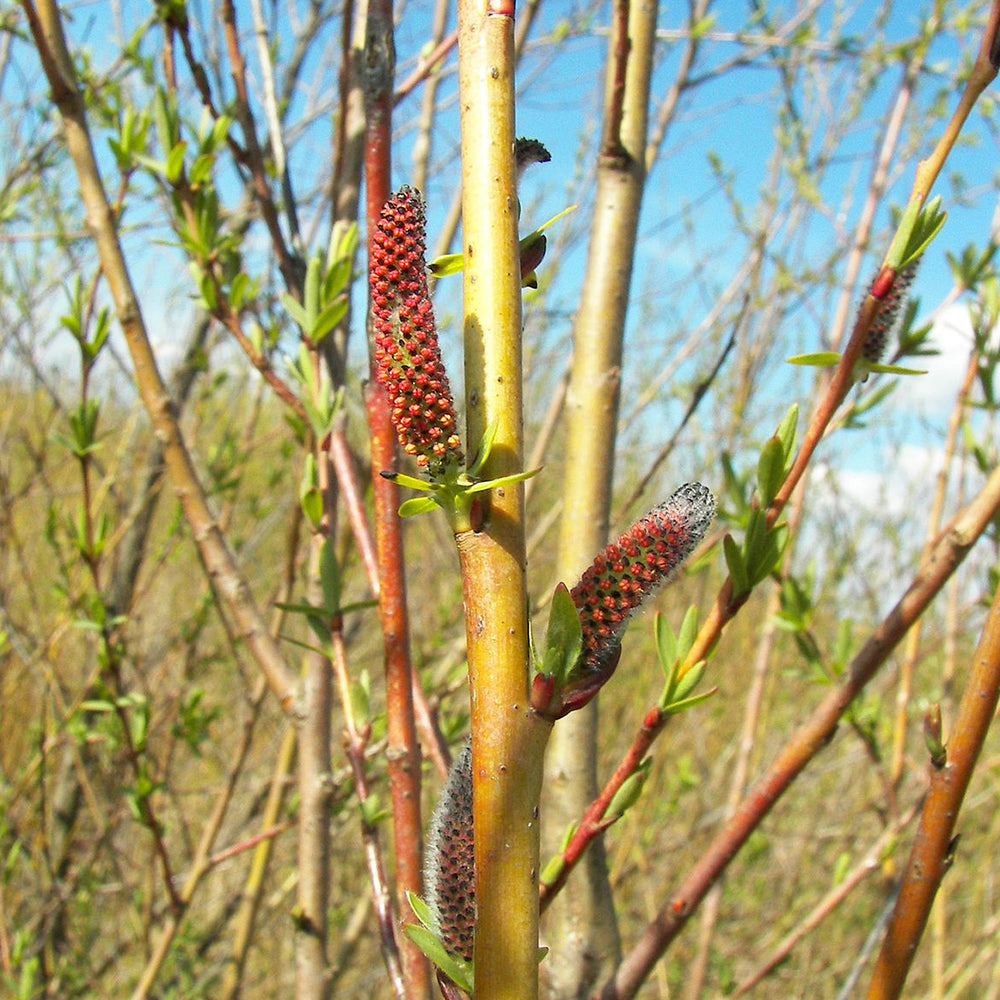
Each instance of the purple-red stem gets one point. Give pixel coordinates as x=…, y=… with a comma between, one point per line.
x=403, y=752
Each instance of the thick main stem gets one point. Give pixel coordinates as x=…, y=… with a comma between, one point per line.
x=507, y=739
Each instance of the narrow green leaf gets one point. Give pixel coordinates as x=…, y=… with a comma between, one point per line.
x=819, y=359
x=686, y=684
x=420, y=909
x=688, y=631
x=310, y=298
x=330, y=577
x=492, y=484
x=484, y=449
x=458, y=971
x=563, y=638
x=402, y=479
x=449, y=263
x=896, y=369
x=175, y=163
x=770, y=470
x=676, y=707
x=786, y=431
x=735, y=565
x=329, y=318
x=628, y=793
x=417, y=505
x=666, y=644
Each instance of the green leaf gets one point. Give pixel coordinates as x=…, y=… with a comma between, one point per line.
x=449, y=263
x=684, y=685
x=786, y=431
x=735, y=565
x=420, y=909
x=330, y=577
x=526, y=241
x=295, y=310
x=676, y=707
x=819, y=359
x=896, y=369
x=667, y=644
x=310, y=496
x=492, y=484
x=456, y=969
x=417, y=505
x=402, y=479
x=175, y=163
x=563, y=638
x=554, y=866
x=372, y=810
x=311, y=296
x=688, y=631
x=484, y=449
x=628, y=792
x=770, y=470
x=328, y=319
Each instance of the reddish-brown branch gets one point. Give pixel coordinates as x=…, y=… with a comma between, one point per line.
x=403, y=753
x=932, y=849
x=426, y=66
x=254, y=157
x=593, y=823
x=354, y=504
x=355, y=741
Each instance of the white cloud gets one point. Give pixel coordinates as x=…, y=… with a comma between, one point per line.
x=935, y=392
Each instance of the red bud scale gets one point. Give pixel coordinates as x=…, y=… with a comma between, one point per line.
x=885, y=318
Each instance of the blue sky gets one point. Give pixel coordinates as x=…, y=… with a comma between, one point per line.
x=689, y=246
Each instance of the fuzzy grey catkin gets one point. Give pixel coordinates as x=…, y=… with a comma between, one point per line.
x=449, y=862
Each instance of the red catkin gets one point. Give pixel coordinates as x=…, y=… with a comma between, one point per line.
x=634, y=566
x=407, y=353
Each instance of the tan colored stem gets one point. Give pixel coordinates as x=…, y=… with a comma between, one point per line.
x=581, y=923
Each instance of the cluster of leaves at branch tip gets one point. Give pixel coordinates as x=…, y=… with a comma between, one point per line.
x=203, y=232
x=411, y=370
x=324, y=304
x=796, y=616
x=889, y=286
x=762, y=547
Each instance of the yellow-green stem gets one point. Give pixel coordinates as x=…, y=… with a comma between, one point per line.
x=507, y=740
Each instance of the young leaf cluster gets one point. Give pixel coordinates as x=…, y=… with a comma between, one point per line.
x=672, y=649
x=325, y=296
x=763, y=543
x=453, y=491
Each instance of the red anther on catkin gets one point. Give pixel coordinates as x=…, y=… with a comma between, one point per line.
x=634, y=566
x=885, y=320
x=449, y=864
x=407, y=353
